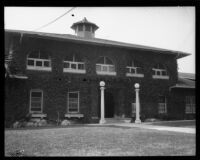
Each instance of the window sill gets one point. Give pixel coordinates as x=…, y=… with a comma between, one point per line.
x=74, y=71
x=134, y=75
x=78, y=115
x=38, y=115
x=107, y=73
x=160, y=77
x=39, y=68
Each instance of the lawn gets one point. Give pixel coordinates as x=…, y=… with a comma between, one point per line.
x=187, y=124
x=99, y=141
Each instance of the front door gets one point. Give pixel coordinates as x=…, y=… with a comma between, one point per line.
x=109, y=105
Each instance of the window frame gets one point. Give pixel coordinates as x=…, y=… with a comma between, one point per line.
x=72, y=70
x=162, y=107
x=159, y=76
x=129, y=74
x=69, y=102
x=107, y=66
x=30, y=101
x=190, y=107
x=35, y=60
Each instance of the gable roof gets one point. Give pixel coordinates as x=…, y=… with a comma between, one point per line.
x=189, y=76
x=96, y=41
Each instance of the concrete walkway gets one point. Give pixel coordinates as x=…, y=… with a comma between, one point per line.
x=161, y=128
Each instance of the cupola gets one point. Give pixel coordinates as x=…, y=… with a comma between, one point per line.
x=85, y=28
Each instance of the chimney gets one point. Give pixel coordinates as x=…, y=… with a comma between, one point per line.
x=84, y=28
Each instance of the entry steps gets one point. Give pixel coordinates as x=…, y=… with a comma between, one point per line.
x=118, y=120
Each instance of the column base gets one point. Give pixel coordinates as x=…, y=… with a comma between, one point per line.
x=138, y=121
x=102, y=121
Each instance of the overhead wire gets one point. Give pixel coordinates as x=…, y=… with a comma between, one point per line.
x=55, y=19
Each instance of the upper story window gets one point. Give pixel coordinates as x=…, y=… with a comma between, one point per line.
x=105, y=66
x=160, y=72
x=134, y=69
x=73, y=64
x=39, y=61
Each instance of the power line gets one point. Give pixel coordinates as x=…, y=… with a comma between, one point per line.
x=55, y=19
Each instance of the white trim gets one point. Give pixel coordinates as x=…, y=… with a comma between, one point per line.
x=74, y=70
x=36, y=90
x=68, y=102
x=68, y=115
x=36, y=115
x=106, y=73
x=34, y=67
x=160, y=77
x=38, y=68
x=134, y=75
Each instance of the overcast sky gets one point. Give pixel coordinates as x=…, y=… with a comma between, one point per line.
x=163, y=27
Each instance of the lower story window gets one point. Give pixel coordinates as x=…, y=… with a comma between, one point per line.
x=73, y=102
x=36, y=100
x=162, y=105
x=190, y=104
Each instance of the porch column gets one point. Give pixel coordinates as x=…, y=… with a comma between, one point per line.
x=137, y=120
x=102, y=88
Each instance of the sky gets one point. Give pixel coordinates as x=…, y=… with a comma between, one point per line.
x=163, y=27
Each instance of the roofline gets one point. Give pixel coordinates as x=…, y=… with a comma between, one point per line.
x=188, y=87
x=179, y=54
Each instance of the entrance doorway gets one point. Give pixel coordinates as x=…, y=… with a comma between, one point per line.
x=109, y=105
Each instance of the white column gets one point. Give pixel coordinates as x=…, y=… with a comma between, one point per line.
x=137, y=120
x=102, y=88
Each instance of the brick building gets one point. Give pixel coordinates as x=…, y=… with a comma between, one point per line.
x=49, y=74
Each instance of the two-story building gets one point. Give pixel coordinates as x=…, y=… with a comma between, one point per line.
x=50, y=74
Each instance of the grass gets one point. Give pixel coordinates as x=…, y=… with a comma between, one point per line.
x=99, y=141
x=188, y=124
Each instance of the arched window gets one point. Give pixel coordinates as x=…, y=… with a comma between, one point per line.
x=38, y=60
x=105, y=66
x=134, y=69
x=73, y=64
x=160, y=72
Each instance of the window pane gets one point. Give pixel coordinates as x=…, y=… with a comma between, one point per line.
x=133, y=70
x=158, y=73
x=98, y=68
x=80, y=27
x=128, y=70
x=161, y=99
x=73, y=95
x=36, y=109
x=38, y=63
x=34, y=54
x=46, y=64
x=44, y=55
x=73, y=66
x=31, y=62
x=87, y=27
x=111, y=68
x=36, y=104
x=36, y=94
x=81, y=66
x=66, y=65
x=105, y=68
x=164, y=73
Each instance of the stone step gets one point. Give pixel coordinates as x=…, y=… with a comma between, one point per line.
x=118, y=120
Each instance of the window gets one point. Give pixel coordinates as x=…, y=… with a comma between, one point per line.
x=38, y=61
x=36, y=101
x=162, y=105
x=87, y=28
x=159, y=72
x=190, y=104
x=105, y=66
x=73, y=64
x=134, y=69
x=80, y=27
x=73, y=102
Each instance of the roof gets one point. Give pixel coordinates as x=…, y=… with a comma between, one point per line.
x=84, y=21
x=190, y=76
x=97, y=41
x=184, y=83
